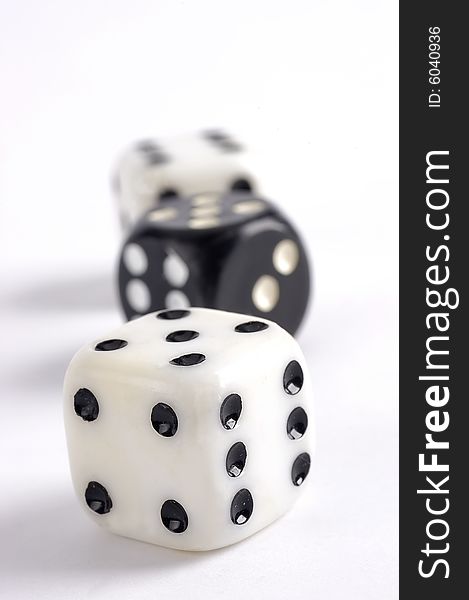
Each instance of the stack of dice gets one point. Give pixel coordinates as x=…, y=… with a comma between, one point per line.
x=188, y=427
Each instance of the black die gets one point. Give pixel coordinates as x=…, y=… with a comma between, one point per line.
x=233, y=252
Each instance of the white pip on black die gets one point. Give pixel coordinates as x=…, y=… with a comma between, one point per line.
x=190, y=429
x=151, y=171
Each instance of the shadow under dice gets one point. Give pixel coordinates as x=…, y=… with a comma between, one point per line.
x=189, y=428
x=232, y=252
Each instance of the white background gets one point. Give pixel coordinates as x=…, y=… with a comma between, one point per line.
x=313, y=87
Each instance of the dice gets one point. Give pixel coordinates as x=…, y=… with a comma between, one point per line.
x=152, y=171
x=232, y=251
x=190, y=429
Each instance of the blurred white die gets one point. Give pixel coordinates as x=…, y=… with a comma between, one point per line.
x=151, y=171
x=189, y=428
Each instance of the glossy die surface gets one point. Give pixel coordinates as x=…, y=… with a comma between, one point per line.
x=190, y=429
x=151, y=171
x=232, y=252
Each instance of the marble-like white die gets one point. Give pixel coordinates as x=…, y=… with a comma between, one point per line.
x=190, y=429
x=153, y=170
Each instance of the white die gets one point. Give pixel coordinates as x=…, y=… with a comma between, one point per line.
x=151, y=170
x=189, y=428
